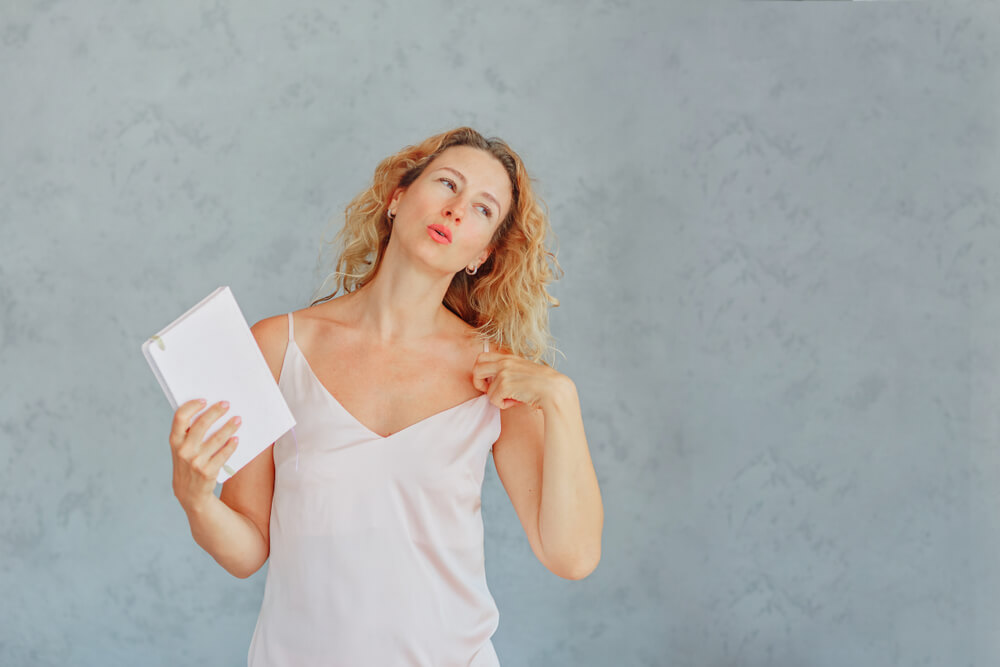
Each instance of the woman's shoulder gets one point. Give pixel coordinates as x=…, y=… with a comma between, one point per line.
x=271, y=329
x=461, y=332
x=328, y=320
x=474, y=338
x=271, y=334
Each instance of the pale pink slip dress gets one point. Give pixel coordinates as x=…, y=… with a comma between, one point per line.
x=376, y=542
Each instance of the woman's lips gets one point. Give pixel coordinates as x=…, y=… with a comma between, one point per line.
x=438, y=233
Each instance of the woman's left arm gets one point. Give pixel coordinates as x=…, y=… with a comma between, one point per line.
x=543, y=461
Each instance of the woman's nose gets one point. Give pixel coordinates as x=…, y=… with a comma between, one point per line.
x=455, y=210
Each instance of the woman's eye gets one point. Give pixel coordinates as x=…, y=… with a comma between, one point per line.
x=451, y=186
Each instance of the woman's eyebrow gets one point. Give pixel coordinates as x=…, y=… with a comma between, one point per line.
x=460, y=177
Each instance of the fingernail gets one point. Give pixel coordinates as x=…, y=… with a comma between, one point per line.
x=224, y=404
x=237, y=420
x=202, y=401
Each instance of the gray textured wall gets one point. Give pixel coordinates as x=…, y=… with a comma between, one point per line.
x=779, y=223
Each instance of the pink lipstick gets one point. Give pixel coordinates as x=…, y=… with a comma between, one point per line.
x=439, y=233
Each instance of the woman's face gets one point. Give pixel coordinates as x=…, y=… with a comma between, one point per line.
x=453, y=208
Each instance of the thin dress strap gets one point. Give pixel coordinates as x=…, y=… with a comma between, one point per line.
x=291, y=337
x=486, y=346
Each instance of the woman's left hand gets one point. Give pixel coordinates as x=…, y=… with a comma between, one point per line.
x=511, y=380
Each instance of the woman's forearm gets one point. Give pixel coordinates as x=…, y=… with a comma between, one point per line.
x=571, y=514
x=229, y=537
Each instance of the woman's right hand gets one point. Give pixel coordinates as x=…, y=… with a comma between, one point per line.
x=197, y=460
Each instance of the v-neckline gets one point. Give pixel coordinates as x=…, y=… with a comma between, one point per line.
x=357, y=421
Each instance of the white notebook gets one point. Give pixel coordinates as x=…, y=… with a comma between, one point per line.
x=209, y=352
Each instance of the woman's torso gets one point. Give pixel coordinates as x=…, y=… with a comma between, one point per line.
x=377, y=540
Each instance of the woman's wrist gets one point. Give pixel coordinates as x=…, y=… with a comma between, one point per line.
x=198, y=508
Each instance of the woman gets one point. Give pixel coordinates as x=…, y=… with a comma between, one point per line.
x=371, y=519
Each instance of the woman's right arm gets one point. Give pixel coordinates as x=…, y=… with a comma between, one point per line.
x=233, y=528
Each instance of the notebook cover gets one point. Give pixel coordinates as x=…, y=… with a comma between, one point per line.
x=209, y=352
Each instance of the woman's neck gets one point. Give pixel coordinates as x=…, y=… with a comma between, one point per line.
x=399, y=306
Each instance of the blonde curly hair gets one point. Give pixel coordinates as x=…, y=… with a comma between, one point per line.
x=506, y=300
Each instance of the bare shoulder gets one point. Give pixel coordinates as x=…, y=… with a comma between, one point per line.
x=497, y=347
x=271, y=335
x=502, y=349
x=466, y=337
x=324, y=319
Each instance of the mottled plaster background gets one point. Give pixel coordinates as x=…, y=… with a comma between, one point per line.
x=780, y=229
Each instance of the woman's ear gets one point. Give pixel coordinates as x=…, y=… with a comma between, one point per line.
x=394, y=199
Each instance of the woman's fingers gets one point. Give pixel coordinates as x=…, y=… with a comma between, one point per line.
x=182, y=419
x=220, y=457
x=196, y=433
x=197, y=459
x=213, y=445
x=482, y=373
